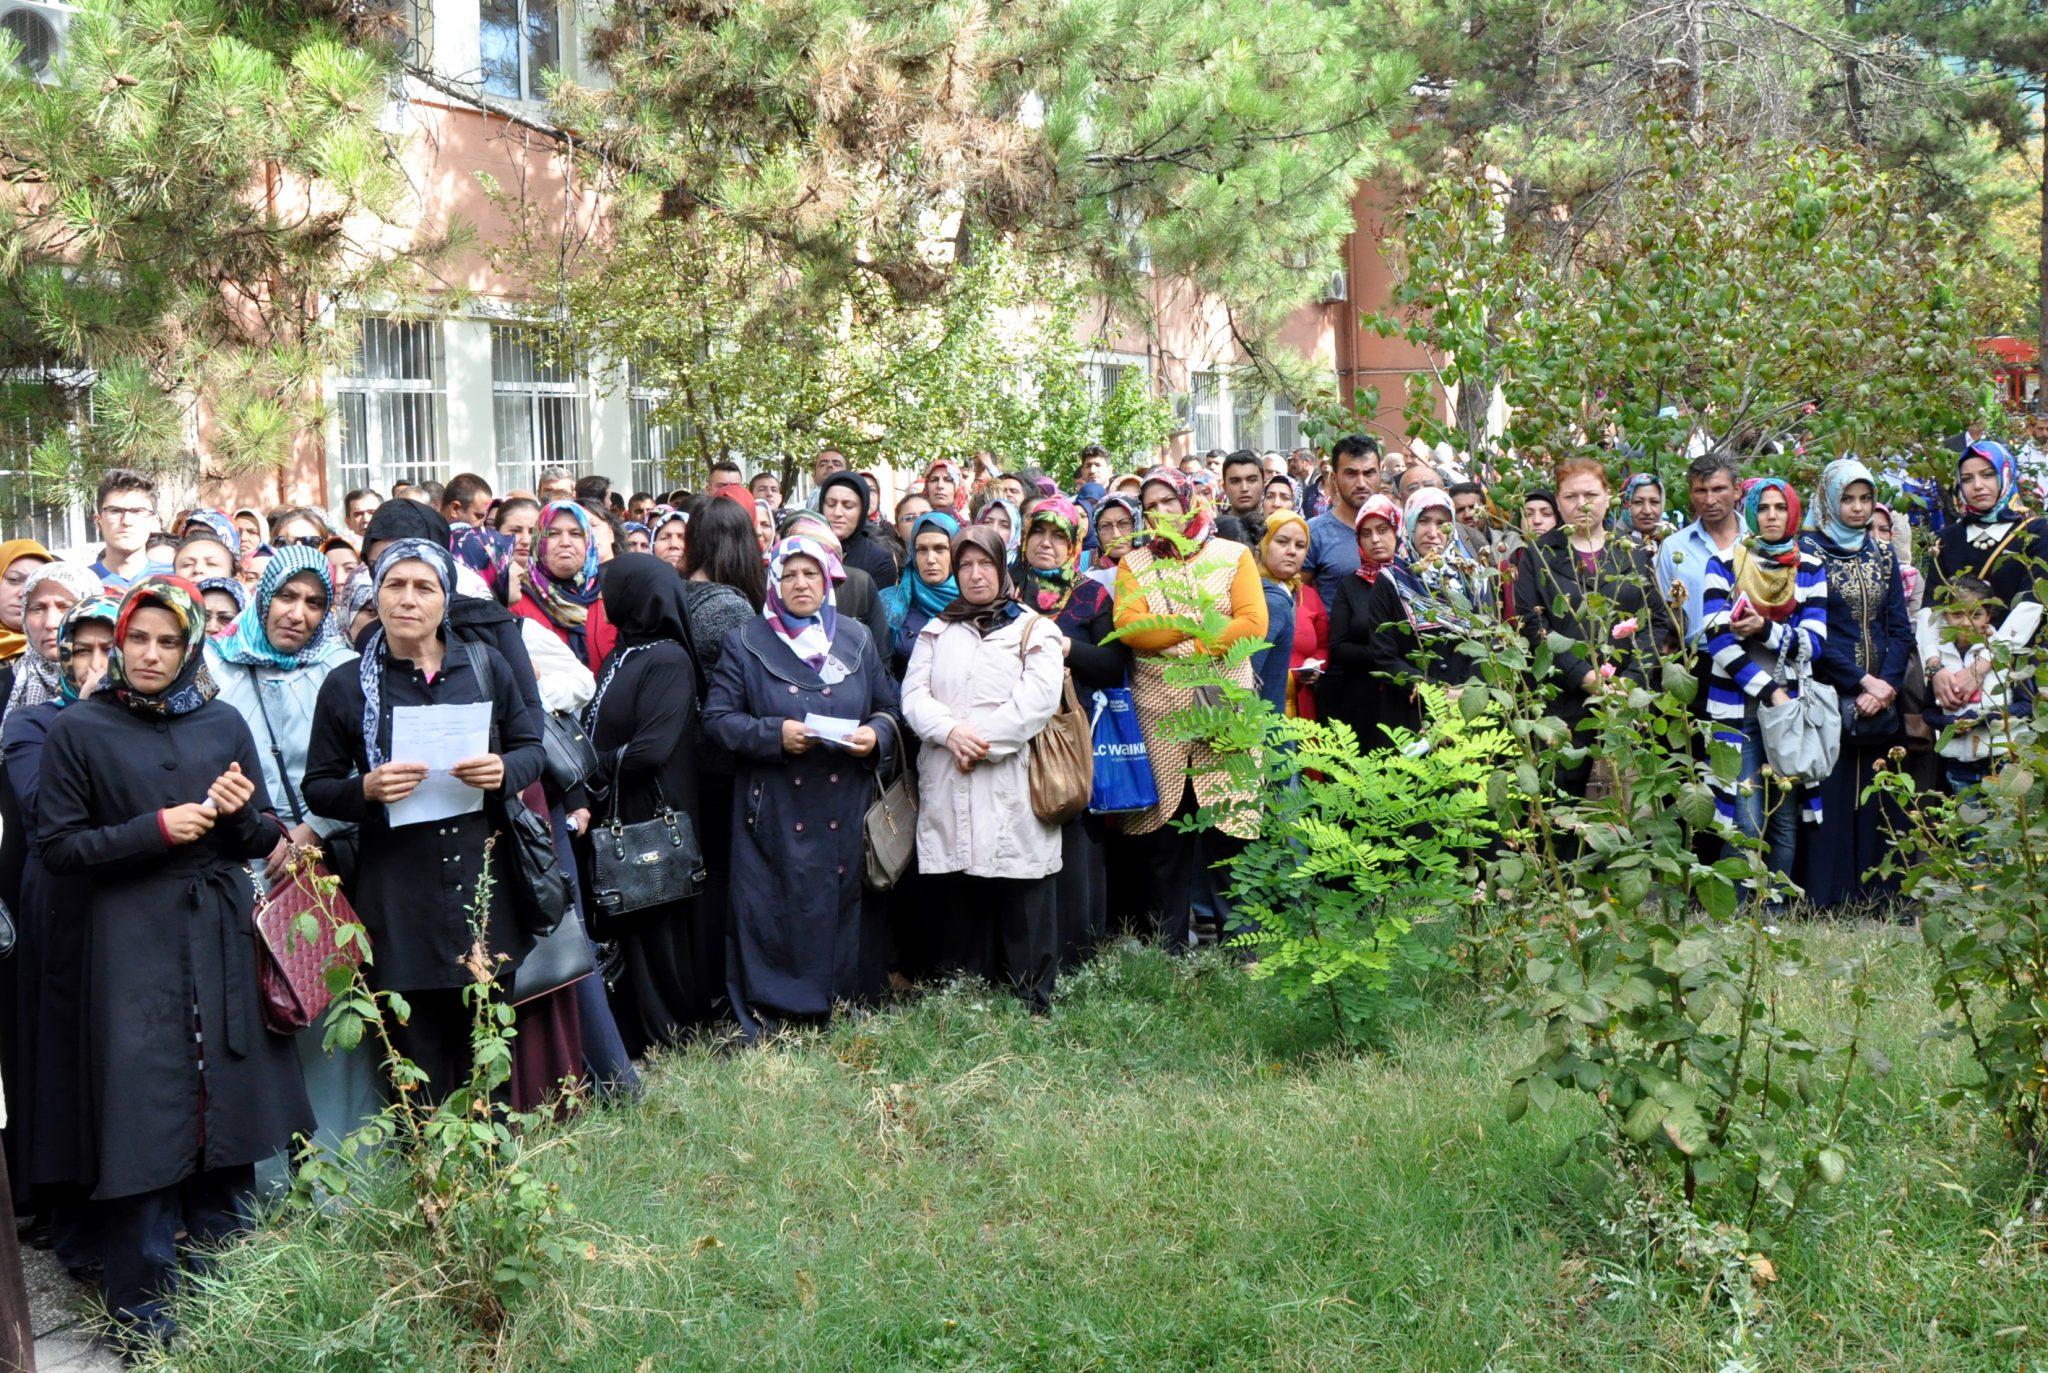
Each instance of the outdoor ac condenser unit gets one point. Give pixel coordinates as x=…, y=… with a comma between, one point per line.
x=1338, y=287
x=38, y=29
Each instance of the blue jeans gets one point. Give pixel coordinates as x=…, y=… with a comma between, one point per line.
x=1763, y=808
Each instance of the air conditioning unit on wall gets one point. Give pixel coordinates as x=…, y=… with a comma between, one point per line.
x=37, y=29
x=1338, y=287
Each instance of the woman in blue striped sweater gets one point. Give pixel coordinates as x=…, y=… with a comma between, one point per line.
x=1765, y=619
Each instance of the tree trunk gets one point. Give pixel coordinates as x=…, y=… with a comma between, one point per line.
x=2041, y=272
x=1852, y=83
x=1693, y=53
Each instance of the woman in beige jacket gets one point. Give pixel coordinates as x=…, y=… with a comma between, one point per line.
x=984, y=678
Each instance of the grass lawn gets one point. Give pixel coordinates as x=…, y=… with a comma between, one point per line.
x=1176, y=1170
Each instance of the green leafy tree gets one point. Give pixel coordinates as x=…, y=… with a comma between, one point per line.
x=160, y=258
x=1751, y=293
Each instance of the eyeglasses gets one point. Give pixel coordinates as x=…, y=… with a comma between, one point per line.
x=126, y=512
x=306, y=541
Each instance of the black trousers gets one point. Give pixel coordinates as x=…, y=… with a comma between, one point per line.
x=1016, y=924
x=436, y=1038
x=1173, y=867
x=140, y=1235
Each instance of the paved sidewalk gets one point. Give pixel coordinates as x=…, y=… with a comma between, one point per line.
x=61, y=1313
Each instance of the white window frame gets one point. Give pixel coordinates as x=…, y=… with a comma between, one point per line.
x=527, y=395
x=380, y=469
x=531, y=78
x=56, y=524
x=1212, y=408
x=645, y=468
x=1096, y=369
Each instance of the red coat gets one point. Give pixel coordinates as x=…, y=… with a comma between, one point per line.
x=1311, y=640
x=598, y=634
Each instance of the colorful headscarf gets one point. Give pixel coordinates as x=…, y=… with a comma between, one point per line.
x=219, y=523
x=1835, y=480
x=1293, y=489
x=1129, y=504
x=809, y=639
x=12, y=642
x=485, y=551
x=959, y=484
x=635, y=527
x=247, y=641
x=98, y=608
x=1276, y=522
x=1053, y=587
x=2002, y=461
x=191, y=686
x=567, y=603
x=1768, y=570
x=36, y=678
x=1421, y=499
x=1377, y=507
x=370, y=667
x=1197, y=527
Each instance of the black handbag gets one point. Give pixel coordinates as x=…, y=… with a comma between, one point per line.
x=640, y=866
x=558, y=959
x=539, y=888
x=571, y=757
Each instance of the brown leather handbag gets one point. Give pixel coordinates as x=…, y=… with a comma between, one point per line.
x=1063, y=754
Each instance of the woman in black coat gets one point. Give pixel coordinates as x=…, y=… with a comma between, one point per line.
x=794, y=941
x=418, y=881
x=846, y=503
x=1579, y=559
x=152, y=791
x=643, y=722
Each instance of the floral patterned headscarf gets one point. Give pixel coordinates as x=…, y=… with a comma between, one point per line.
x=1196, y=527
x=101, y=609
x=1382, y=508
x=1053, y=587
x=191, y=686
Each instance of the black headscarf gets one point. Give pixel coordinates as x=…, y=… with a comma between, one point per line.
x=643, y=600
x=470, y=617
x=861, y=548
x=986, y=619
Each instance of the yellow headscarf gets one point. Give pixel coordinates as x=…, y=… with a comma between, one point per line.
x=13, y=643
x=1275, y=522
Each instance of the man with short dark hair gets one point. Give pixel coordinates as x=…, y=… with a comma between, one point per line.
x=1244, y=484
x=465, y=501
x=1714, y=483
x=357, y=507
x=828, y=461
x=766, y=489
x=1468, y=504
x=1095, y=468
x=725, y=472
x=427, y=493
x=639, y=506
x=126, y=514
x=594, y=488
x=555, y=484
x=1332, y=536
x=1191, y=464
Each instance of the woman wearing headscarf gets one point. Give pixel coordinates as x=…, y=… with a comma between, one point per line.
x=1083, y=610
x=270, y=666
x=1169, y=576
x=417, y=881
x=1996, y=541
x=561, y=594
x=946, y=488
x=985, y=677
x=1640, y=515
x=48, y=595
x=1579, y=563
x=1296, y=624
x=926, y=586
x=19, y=559
x=223, y=599
x=668, y=534
x=845, y=501
x=152, y=793
x=795, y=929
x=1539, y=517
x=51, y=1160
x=1362, y=629
x=643, y=722
x=1869, y=644
x=1117, y=522
x=1000, y=513
x=856, y=596
x=1764, y=614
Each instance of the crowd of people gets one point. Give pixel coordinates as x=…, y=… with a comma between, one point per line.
x=223, y=692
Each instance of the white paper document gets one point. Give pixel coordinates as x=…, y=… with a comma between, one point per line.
x=440, y=737
x=833, y=729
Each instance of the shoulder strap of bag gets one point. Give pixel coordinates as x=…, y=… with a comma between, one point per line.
x=291, y=793
x=480, y=664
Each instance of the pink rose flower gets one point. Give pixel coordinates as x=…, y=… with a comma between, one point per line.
x=1626, y=629
x=1607, y=669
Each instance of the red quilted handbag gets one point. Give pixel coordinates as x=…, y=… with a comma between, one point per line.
x=293, y=969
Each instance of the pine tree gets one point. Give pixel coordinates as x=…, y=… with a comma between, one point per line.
x=162, y=264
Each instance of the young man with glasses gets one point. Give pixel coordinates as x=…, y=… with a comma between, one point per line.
x=127, y=517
